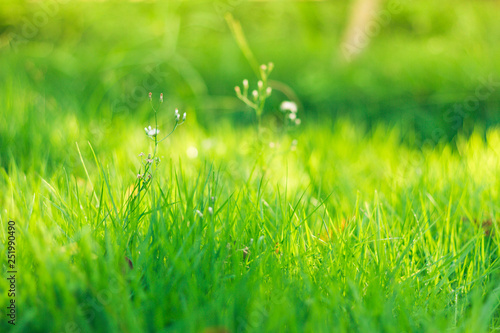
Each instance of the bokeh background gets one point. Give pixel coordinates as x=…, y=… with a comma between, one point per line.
x=82, y=69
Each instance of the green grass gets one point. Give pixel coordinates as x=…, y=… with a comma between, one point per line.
x=382, y=218
x=351, y=231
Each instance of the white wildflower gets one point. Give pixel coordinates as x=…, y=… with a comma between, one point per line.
x=151, y=132
x=288, y=106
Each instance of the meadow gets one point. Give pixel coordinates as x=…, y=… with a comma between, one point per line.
x=376, y=212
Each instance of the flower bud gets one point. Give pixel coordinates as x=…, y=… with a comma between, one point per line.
x=255, y=94
x=161, y=98
x=150, y=94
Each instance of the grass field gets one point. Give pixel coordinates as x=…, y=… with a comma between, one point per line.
x=378, y=213
x=348, y=231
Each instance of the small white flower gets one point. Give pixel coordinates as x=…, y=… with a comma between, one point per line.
x=152, y=132
x=200, y=214
x=260, y=84
x=245, y=83
x=288, y=106
x=298, y=121
x=184, y=117
x=292, y=116
x=210, y=210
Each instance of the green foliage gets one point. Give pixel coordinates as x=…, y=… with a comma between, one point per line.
x=424, y=58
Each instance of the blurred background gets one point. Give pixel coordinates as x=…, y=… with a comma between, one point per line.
x=82, y=69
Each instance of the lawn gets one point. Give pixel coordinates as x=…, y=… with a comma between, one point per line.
x=376, y=212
